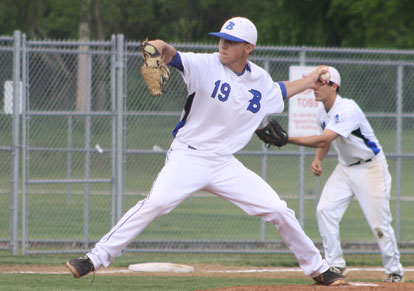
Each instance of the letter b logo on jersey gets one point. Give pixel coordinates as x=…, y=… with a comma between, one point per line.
x=254, y=105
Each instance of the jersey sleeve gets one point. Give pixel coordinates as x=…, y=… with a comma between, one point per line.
x=344, y=122
x=283, y=89
x=275, y=95
x=194, y=67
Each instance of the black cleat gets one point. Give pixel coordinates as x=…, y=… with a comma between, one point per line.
x=394, y=278
x=339, y=270
x=80, y=266
x=330, y=278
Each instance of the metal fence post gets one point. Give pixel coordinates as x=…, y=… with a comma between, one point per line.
x=113, y=130
x=88, y=107
x=24, y=145
x=264, y=172
x=120, y=125
x=301, y=202
x=15, y=144
x=400, y=75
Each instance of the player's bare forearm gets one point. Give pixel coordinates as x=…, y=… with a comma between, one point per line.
x=297, y=86
x=165, y=49
x=315, y=141
x=322, y=152
x=311, y=81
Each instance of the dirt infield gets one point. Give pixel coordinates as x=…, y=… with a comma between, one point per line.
x=380, y=287
x=357, y=276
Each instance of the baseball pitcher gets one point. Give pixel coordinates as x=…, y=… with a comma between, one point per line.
x=228, y=97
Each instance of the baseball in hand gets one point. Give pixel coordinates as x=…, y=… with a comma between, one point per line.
x=325, y=77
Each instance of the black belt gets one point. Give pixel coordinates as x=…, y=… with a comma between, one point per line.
x=359, y=162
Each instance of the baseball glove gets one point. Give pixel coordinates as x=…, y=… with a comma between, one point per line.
x=154, y=70
x=273, y=134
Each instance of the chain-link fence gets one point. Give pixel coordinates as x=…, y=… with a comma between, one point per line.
x=87, y=141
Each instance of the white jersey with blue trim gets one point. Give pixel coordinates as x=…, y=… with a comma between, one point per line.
x=356, y=139
x=223, y=108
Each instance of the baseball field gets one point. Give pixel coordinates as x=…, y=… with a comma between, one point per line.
x=211, y=272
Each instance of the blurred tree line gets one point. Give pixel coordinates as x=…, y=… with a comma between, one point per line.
x=333, y=23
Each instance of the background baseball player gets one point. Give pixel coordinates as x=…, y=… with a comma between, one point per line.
x=362, y=172
x=228, y=97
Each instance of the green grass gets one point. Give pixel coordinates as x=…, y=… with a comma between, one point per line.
x=34, y=282
x=198, y=218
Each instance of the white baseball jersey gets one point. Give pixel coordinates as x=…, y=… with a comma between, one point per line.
x=223, y=109
x=356, y=141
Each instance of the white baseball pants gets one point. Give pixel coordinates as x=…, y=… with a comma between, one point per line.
x=187, y=171
x=370, y=183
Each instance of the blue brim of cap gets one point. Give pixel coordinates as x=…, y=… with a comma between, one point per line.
x=227, y=36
